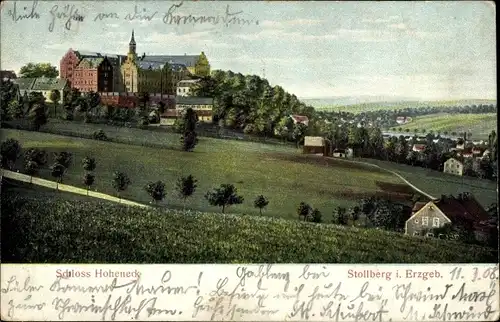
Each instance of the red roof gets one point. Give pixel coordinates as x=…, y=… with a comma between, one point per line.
x=465, y=210
x=418, y=205
x=170, y=113
x=419, y=147
x=300, y=118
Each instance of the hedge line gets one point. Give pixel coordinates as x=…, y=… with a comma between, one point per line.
x=50, y=231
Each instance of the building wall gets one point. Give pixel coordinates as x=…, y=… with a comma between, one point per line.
x=427, y=218
x=67, y=66
x=105, y=77
x=85, y=79
x=130, y=75
x=453, y=166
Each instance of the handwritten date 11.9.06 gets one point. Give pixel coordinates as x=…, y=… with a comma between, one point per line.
x=490, y=273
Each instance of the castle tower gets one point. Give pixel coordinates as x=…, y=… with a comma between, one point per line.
x=132, y=54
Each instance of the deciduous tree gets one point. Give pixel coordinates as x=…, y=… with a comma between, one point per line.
x=32, y=70
x=186, y=186
x=260, y=202
x=224, y=196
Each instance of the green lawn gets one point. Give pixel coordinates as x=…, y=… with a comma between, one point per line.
x=279, y=173
x=480, y=125
x=437, y=183
x=379, y=106
x=61, y=231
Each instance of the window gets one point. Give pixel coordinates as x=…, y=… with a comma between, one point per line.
x=457, y=166
x=415, y=233
x=435, y=222
x=416, y=221
x=430, y=235
x=425, y=221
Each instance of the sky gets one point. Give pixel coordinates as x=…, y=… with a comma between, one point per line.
x=426, y=50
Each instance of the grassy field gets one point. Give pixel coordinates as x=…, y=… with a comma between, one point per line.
x=62, y=231
x=437, y=183
x=378, y=106
x=282, y=174
x=480, y=125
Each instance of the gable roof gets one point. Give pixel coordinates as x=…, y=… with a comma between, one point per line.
x=154, y=65
x=419, y=147
x=453, y=159
x=187, y=60
x=464, y=210
x=47, y=84
x=300, y=118
x=194, y=100
x=24, y=84
x=91, y=62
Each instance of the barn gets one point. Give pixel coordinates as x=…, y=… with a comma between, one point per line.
x=316, y=145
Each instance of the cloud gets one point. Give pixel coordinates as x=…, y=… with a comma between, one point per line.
x=400, y=25
x=381, y=20
x=197, y=38
x=282, y=61
x=289, y=23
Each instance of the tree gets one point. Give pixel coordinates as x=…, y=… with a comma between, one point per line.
x=63, y=158
x=31, y=168
x=35, y=155
x=55, y=96
x=316, y=216
x=144, y=100
x=340, y=216
x=224, y=196
x=161, y=107
x=88, y=181
x=120, y=182
x=156, y=190
x=58, y=173
x=37, y=116
x=14, y=110
x=89, y=164
x=299, y=131
x=189, y=138
x=303, y=210
x=32, y=70
x=186, y=187
x=260, y=202
x=10, y=151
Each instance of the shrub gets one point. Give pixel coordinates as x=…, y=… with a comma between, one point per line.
x=100, y=135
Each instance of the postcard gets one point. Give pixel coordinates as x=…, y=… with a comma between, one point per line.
x=249, y=161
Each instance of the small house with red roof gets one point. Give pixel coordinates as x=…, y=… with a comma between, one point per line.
x=464, y=211
x=418, y=147
x=300, y=119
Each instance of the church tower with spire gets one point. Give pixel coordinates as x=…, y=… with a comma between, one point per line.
x=132, y=54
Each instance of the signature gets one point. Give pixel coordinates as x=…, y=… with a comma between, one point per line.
x=31, y=15
x=68, y=12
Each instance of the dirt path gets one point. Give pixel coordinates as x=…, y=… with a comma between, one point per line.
x=64, y=187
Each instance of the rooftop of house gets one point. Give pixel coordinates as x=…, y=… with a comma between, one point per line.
x=24, y=83
x=154, y=65
x=92, y=62
x=419, y=146
x=187, y=60
x=188, y=82
x=46, y=84
x=188, y=100
x=299, y=118
x=463, y=209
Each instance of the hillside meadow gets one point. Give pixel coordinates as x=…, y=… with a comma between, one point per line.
x=51, y=229
x=281, y=174
x=326, y=104
x=480, y=125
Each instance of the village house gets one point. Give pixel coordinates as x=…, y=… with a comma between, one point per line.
x=315, y=145
x=418, y=147
x=463, y=210
x=184, y=86
x=43, y=85
x=169, y=116
x=300, y=119
x=453, y=166
x=201, y=105
x=402, y=120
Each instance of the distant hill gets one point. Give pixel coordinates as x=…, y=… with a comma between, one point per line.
x=374, y=103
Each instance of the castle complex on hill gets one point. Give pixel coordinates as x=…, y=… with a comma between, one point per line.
x=98, y=72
